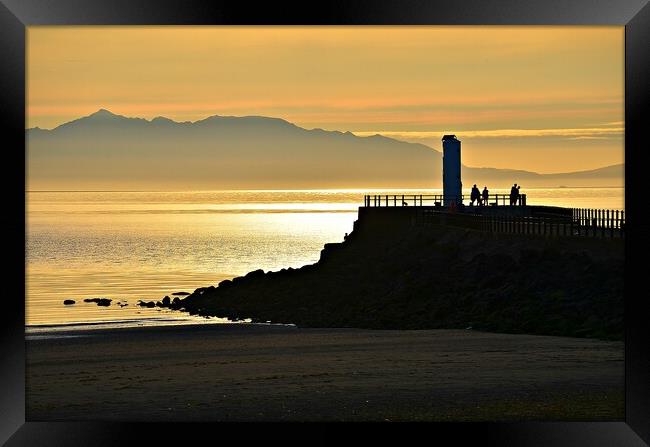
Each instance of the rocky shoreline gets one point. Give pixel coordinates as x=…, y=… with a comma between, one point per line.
x=431, y=277
x=436, y=277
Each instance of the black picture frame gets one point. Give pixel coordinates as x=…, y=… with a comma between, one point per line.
x=15, y=15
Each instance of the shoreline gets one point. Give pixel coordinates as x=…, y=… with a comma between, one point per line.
x=100, y=325
x=98, y=329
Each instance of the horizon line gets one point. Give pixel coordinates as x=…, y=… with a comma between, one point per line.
x=302, y=189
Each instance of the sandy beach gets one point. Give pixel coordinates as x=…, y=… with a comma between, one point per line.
x=261, y=372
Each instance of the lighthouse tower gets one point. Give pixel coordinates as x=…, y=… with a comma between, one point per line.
x=452, y=187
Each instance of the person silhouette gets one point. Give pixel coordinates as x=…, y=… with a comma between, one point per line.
x=485, y=195
x=513, y=194
x=475, y=195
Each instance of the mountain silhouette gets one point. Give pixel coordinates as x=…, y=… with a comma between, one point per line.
x=105, y=150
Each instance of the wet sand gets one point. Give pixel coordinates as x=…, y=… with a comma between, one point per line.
x=258, y=372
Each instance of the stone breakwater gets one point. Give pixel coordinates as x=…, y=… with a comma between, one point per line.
x=395, y=275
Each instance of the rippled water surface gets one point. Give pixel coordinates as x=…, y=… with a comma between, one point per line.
x=143, y=245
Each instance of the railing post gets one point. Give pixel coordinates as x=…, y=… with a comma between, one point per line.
x=610, y=224
x=622, y=223
x=594, y=224
x=622, y=219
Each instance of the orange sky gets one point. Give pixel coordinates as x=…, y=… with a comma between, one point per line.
x=547, y=99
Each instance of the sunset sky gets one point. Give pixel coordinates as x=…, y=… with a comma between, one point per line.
x=545, y=99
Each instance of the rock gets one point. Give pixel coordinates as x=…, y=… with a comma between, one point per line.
x=225, y=283
x=166, y=301
x=176, y=302
x=68, y=302
x=146, y=303
x=180, y=293
x=255, y=274
x=99, y=301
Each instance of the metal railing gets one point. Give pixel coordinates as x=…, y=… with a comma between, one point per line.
x=384, y=200
x=596, y=218
x=582, y=223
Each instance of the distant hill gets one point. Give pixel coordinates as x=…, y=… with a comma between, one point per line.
x=108, y=151
x=613, y=175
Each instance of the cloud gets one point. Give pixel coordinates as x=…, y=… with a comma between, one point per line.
x=575, y=133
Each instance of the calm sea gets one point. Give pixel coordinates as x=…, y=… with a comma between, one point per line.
x=129, y=246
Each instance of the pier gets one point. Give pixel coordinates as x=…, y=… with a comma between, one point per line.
x=496, y=213
x=497, y=216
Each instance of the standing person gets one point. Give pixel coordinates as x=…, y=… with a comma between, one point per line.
x=475, y=195
x=513, y=194
x=517, y=195
x=486, y=195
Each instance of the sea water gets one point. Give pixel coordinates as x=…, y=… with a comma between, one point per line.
x=130, y=246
